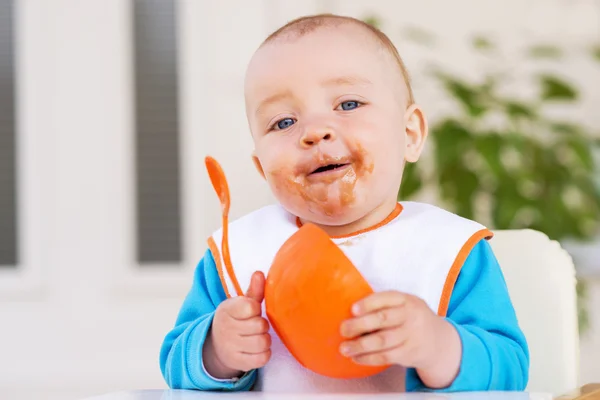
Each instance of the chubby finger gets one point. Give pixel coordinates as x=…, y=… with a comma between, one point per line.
x=242, y=308
x=249, y=362
x=378, y=341
x=252, y=326
x=384, y=357
x=377, y=301
x=256, y=289
x=255, y=344
x=373, y=321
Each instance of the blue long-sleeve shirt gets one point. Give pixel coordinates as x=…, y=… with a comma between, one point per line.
x=495, y=355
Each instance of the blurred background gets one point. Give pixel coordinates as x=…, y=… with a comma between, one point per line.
x=108, y=107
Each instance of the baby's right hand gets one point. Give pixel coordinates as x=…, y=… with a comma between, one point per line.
x=239, y=340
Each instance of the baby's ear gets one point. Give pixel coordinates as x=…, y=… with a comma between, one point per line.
x=258, y=165
x=416, y=132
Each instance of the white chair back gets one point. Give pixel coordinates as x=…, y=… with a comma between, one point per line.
x=540, y=276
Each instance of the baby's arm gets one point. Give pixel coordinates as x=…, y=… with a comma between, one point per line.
x=181, y=352
x=495, y=355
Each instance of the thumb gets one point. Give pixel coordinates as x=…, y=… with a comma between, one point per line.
x=256, y=290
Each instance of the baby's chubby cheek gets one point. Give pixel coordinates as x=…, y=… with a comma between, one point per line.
x=279, y=173
x=286, y=185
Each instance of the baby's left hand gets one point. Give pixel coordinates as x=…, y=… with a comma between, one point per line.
x=392, y=328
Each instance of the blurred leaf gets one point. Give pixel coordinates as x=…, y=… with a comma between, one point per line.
x=518, y=110
x=418, y=35
x=596, y=52
x=465, y=199
x=411, y=182
x=552, y=172
x=590, y=192
x=469, y=96
x=555, y=88
x=582, y=311
x=566, y=128
x=490, y=147
x=558, y=222
x=459, y=185
x=482, y=43
x=582, y=149
x=560, y=219
x=547, y=51
x=521, y=145
x=489, y=85
x=452, y=139
x=506, y=203
x=373, y=20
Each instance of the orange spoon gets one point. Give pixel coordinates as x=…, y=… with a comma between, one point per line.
x=219, y=182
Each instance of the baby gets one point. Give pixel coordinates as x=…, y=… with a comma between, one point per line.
x=333, y=120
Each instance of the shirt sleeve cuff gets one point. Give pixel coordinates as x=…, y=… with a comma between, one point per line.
x=226, y=380
x=475, y=365
x=474, y=370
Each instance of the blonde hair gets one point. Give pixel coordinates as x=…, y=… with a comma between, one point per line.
x=304, y=25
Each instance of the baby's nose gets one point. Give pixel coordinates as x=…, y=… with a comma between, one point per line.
x=314, y=136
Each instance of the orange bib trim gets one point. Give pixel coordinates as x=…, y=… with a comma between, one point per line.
x=457, y=266
x=387, y=220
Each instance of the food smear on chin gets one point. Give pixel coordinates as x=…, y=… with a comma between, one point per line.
x=330, y=193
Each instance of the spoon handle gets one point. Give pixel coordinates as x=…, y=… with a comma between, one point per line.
x=227, y=258
x=219, y=183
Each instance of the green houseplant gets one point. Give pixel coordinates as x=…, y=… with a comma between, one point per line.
x=504, y=159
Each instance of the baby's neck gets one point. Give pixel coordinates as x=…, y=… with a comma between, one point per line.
x=370, y=220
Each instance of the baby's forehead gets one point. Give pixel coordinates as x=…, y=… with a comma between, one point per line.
x=363, y=40
x=297, y=30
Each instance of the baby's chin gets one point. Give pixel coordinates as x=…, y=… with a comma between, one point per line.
x=324, y=206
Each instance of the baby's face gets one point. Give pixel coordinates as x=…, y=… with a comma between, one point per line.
x=328, y=115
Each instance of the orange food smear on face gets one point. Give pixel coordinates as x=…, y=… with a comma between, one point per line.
x=317, y=195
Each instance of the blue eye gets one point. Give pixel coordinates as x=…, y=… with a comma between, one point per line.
x=349, y=105
x=285, y=123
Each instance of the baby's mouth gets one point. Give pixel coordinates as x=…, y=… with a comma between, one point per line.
x=329, y=167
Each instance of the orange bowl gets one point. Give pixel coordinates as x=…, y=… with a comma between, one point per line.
x=309, y=292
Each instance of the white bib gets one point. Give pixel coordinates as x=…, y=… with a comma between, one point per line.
x=420, y=251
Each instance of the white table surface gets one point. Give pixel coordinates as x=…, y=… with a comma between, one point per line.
x=196, y=395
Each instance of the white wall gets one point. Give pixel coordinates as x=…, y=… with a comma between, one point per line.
x=81, y=318
x=71, y=325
